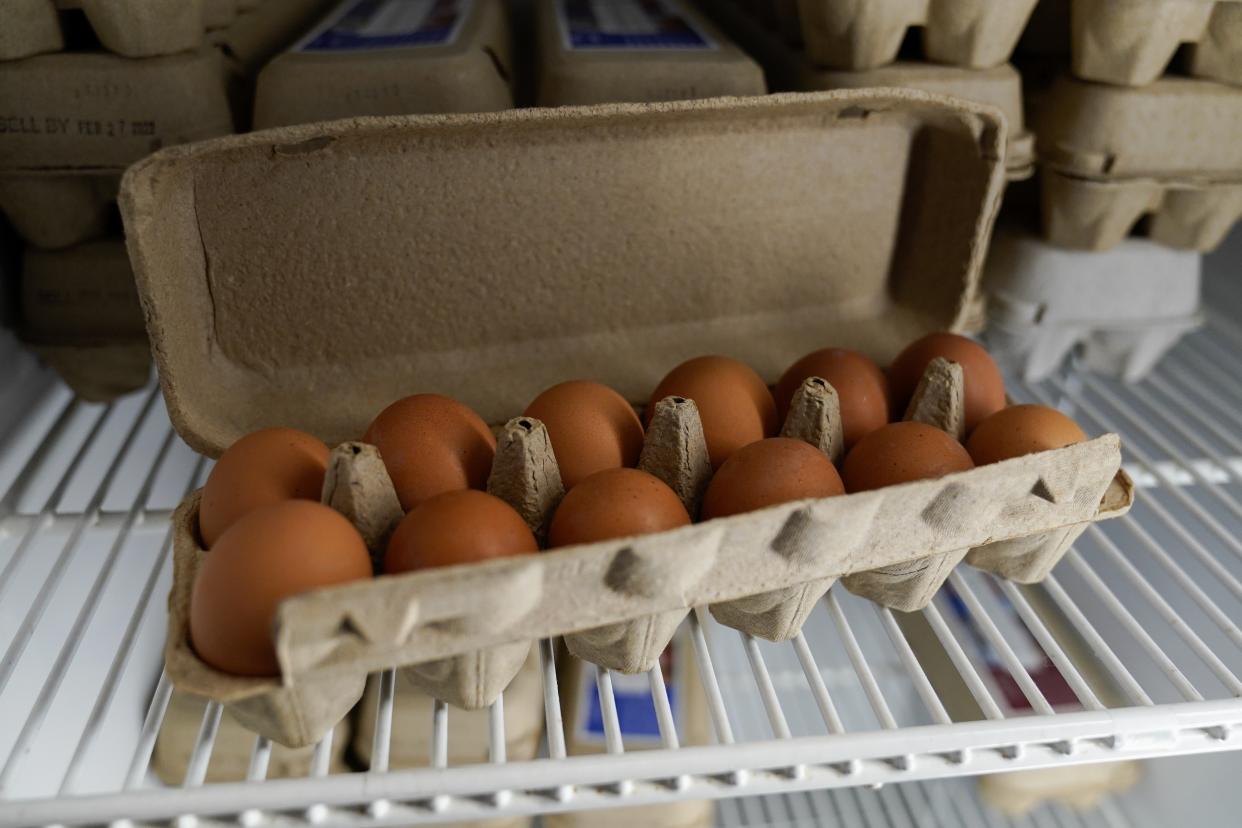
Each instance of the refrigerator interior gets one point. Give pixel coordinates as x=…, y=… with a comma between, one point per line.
x=841, y=726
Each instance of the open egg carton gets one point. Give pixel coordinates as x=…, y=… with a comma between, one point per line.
x=444, y=219
x=1110, y=155
x=1131, y=42
x=864, y=34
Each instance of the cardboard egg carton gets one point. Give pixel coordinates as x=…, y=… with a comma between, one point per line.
x=441, y=219
x=1122, y=308
x=1111, y=155
x=99, y=112
x=864, y=34
x=80, y=313
x=261, y=31
x=130, y=28
x=1131, y=42
x=391, y=58
x=788, y=68
x=635, y=51
x=54, y=210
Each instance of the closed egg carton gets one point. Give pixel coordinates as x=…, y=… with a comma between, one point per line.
x=52, y=210
x=80, y=313
x=1091, y=214
x=864, y=34
x=1122, y=308
x=391, y=58
x=788, y=68
x=99, y=112
x=130, y=28
x=635, y=51
x=232, y=748
x=1131, y=42
x=1111, y=155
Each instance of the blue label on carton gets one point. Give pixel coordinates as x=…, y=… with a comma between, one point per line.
x=628, y=24
x=388, y=24
x=636, y=711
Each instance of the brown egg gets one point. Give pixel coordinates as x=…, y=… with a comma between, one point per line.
x=592, y=428
x=432, y=444
x=260, y=469
x=772, y=471
x=985, y=388
x=270, y=554
x=901, y=452
x=456, y=528
x=860, y=385
x=616, y=503
x=735, y=406
x=1019, y=430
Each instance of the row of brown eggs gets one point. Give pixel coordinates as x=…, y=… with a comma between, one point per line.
x=269, y=540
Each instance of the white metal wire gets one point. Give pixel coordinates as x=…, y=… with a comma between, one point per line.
x=1143, y=622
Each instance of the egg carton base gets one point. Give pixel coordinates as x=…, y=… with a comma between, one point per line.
x=1131, y=42
x=57, y=211
x=132, y=28
x=864, y=34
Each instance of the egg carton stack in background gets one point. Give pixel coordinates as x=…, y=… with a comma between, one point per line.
x=1140, y=172
x=964, y=49
x=87, y=87
x=633, y=51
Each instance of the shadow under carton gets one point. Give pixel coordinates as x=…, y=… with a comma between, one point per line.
x=864, y=34
x=1111, y=155
x=1131, y=42
x=431, y=213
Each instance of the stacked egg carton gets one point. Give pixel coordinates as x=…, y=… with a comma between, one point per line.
x=807, y=45
x=87, y=88
x=1124, y=143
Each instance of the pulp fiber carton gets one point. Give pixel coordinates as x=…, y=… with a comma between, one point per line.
x=864, y=34
x=1124, y=308
x=1130, y=42
x=130, y=28
x=54, y=210
x=1111, y=155
x=258, y=34
x=789, y=69
x=640, y=730
x=232, y=748
x=442, y=219
x=94, y=111
x=392, y=58
x=80, y=313
x=636, y=50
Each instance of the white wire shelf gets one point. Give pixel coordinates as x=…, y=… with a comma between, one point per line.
x=1141, y=622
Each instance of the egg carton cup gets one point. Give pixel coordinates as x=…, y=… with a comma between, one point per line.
x=52, y=211
x=1122, y=309
x=1093, y=214
x=131, y=28
x=412, y=708
x=1111, y=155
x=292, y=714
x=864, y=34
x=1131, y=42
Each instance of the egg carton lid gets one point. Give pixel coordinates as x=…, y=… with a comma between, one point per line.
x=308, y=276
x=1176, y=128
